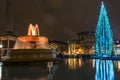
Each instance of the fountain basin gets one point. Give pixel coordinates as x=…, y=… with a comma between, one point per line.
x=30, y=55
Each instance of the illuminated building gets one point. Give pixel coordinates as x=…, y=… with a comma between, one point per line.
x=117, y=47
x=82, y=43
x=59, y=47
x=7, y=42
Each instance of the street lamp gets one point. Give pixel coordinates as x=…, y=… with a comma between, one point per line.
x=1, y=50
x=1, y=46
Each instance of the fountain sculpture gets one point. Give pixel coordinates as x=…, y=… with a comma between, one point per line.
x=32, y=40
x=104, y=37
x=31, y=47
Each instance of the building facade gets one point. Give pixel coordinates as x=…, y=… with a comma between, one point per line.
x=82, y=43
x=59, y=47
x=116, y=47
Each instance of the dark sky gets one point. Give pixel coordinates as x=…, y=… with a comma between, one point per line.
x=59, y=19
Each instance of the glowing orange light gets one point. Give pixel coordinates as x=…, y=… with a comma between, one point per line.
x=32, y=38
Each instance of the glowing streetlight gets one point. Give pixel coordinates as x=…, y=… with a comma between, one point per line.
x=1, y=45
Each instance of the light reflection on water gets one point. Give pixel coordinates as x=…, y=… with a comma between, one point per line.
x=65, y=69
x=104, y=70
x=73, y=63
x=117, y=65
x=0, y=70
x=27, y=72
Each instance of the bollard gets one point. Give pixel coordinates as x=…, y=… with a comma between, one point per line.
x=49, y=65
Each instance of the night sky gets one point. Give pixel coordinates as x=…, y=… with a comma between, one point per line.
x=59, y=19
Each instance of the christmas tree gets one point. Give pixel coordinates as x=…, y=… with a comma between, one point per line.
x=104, y=37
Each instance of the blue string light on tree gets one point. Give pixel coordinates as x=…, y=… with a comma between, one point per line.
x=104, y=36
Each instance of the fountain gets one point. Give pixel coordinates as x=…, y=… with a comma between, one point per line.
x=31, y=47
x=104, y=37
x=32, y=40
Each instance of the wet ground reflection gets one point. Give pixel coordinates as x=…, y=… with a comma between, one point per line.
x=26, y=72
x=65, y=69
x=104, y=70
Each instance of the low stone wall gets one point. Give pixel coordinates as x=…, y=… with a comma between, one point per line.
x=30, y=55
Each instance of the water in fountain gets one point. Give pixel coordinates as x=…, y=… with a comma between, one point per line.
x=32, y=40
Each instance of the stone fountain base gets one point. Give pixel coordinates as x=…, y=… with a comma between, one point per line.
x=30, y=55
